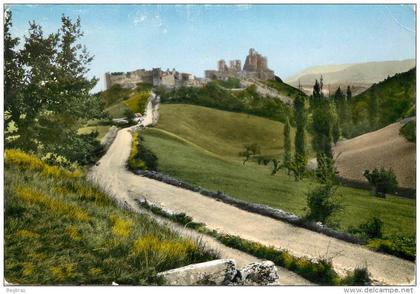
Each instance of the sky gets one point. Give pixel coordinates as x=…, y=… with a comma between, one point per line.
x=192, y=38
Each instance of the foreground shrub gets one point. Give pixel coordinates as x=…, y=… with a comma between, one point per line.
x=321, y=203
x=383, y=181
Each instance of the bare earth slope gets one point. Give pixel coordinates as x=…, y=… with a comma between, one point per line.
x=112, y=174
x=382, y=148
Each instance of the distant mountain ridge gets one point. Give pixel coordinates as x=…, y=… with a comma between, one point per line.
x=359, y=75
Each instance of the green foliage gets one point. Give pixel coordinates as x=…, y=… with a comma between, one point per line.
x=321, y=130
x=140, y=156
x=250, y=151
x=61, y=229
x=300, y=159
x=114, y=94
x=48, y=95
x=388, y=100
x=246, y=101
x=409, y=131
x=372, y=229
x=383, y=181
x=397, y=245
x=129, y=115
x=144, y=87
x=138, y=101
x=359, y=277
x=322, y=204
x=230, y=83
x=287, y=153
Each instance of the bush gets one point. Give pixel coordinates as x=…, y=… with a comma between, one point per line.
x=383, y=181
x=408, y=131
x=321, y=204
x=369, y=230
x=359, y=277
x=400, y=246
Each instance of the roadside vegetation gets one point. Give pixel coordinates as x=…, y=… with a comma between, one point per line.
x=140, y=156
x=318, y=271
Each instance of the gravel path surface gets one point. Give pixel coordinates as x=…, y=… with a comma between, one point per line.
x=112, y=174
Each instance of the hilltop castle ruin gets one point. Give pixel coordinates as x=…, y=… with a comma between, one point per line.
x=155, y=77
x=255, y=67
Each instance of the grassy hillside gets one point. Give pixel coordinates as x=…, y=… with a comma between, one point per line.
x=221, y=132
x=60, y=229
x=396, y=99
x=215, y=96
x=200, y=145
x=118, y=100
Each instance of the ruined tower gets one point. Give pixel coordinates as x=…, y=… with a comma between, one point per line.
x=221, y=65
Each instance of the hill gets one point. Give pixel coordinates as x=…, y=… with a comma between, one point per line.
x=62, y=230
x=193, y=148
x=118, y=100
x=247, y=100
x=360, y=76
x=221, y=132
x=396, y=99
x=382, y=148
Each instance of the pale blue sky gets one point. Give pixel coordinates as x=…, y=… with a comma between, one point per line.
x=191, y=38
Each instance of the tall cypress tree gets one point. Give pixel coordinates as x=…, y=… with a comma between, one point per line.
x=300, y=117
x=287, y=157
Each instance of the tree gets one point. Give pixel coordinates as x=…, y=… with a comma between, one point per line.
x=349, y=95
x=322, y=119
x=250, y=150
x=300, y=159
x=49, y=97
x=321, y=203
x=383, y=181
x=287, y=157
x=341, y=106
x=373, y=108
x=12, y=73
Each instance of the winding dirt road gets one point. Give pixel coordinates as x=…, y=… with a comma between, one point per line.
x=112, y=174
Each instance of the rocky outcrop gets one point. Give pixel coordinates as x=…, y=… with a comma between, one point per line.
x=221, y=272
x=264, y=273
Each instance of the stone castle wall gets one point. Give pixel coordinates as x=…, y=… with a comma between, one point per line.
x=255, y=67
